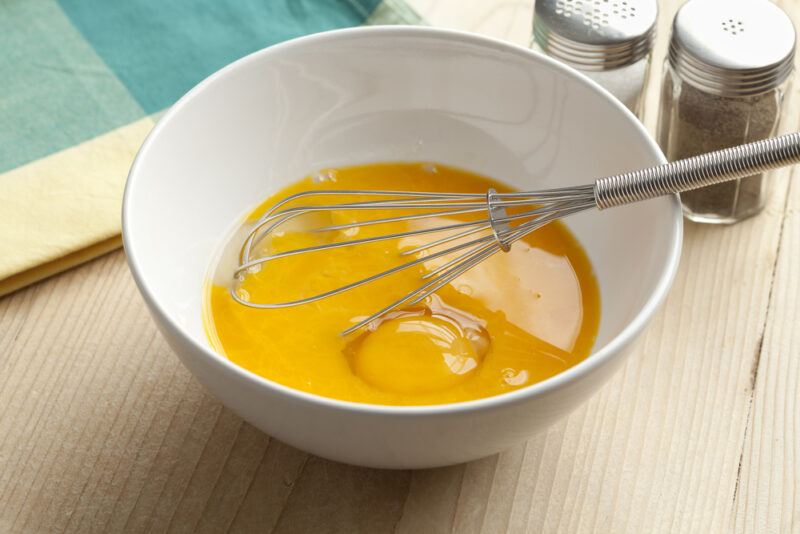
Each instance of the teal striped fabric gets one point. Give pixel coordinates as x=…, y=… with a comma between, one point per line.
x=73, y=69
x=81, y=84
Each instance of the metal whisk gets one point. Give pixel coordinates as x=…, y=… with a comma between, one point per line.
x=508, y=216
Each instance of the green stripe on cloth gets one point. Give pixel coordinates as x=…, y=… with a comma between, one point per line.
x=74, y=69
x=54, y=89
x=159, y=49
x=81, y=82
x=394, y=12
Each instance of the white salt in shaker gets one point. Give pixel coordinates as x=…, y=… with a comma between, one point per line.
x=725, y=83
x=608, y=40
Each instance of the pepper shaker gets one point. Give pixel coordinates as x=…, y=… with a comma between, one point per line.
x=726, y=77
x=610, y=41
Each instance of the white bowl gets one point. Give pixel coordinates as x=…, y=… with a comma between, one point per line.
x=391, y=94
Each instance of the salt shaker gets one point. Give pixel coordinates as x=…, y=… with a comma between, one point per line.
x=610, y=41
x=725, y=81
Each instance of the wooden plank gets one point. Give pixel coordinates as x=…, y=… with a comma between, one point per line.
x=768, y=494
x=102, y=430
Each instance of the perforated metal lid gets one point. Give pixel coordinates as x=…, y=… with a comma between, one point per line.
x=732, y=47
x=595, y=34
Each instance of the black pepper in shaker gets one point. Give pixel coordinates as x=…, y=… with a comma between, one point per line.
x=725, y=81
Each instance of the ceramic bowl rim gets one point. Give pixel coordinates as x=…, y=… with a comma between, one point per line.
x=593, y=361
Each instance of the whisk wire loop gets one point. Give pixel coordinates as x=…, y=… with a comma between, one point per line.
x=463, y=245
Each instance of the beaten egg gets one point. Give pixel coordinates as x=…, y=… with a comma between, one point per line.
x=515, y=319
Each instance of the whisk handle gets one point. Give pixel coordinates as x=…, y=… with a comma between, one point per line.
x=698, y=171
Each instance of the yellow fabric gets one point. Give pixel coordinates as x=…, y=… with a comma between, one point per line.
x=40, y=272
x=64, y=209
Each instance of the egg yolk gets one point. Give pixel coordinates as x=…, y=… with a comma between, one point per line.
x=415, y=355
x=515, y=319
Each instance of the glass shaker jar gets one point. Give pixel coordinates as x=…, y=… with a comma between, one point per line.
x=610, y=41
x=725, y=81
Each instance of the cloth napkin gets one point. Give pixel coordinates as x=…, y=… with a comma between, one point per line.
x=82, y=82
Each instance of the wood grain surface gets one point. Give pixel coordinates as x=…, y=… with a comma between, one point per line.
x=102, y=429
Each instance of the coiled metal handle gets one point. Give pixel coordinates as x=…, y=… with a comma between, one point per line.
x=698, y=171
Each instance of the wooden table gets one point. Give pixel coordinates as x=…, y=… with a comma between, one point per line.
x=102, y=430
